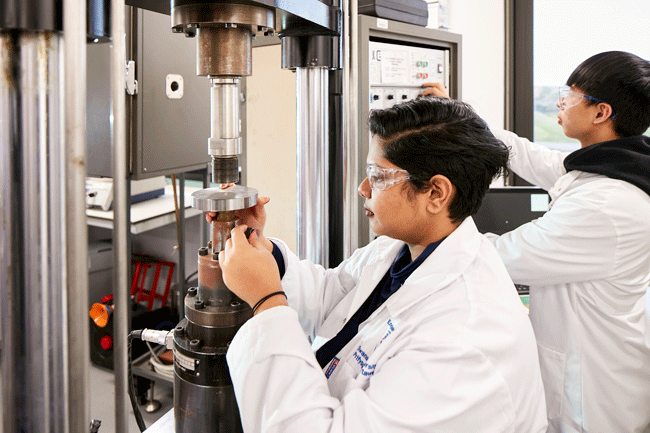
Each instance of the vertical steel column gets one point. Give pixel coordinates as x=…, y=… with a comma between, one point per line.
x=7, y=255
x=181, y=232
x=349, y=9
x=121, y=217
x=44, y=346
x=205, y=228
x=312, y=87
x=74, y=145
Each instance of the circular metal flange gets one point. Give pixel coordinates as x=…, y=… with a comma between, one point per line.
x=229, y=199
x=185, y=13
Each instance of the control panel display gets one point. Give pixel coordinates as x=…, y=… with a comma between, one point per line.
x=397, y=72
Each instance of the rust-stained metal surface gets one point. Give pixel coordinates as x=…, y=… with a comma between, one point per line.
x=208, y=13
x=7, y=50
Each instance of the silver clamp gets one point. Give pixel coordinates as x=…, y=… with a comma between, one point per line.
x=131, y=83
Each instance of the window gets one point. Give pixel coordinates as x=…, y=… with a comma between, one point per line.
x=567, y=32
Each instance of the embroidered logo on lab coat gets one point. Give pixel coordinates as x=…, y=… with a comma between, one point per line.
x=332, y=366
x=362, y=359
x=389, y=331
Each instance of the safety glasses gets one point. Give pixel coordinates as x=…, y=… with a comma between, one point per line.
x=383, y=178
x=570, y=98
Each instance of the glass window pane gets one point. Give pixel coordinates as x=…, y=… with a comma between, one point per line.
x=567, y=32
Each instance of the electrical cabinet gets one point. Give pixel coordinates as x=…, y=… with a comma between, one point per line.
x=396, y=72
x=395, y=60
x=168, y=116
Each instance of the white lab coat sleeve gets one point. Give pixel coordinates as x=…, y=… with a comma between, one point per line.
x=280, y=387
x=314, y=291
x=536, y=164
x=572, y=242
x=277, y=380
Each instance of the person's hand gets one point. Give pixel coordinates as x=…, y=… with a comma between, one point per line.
x=254, y=216
x=249, y=270
x=435, y=89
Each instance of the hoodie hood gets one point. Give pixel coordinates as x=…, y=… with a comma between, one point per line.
x=625, y=159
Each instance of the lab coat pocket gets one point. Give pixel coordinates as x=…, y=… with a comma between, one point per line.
x=551, y=363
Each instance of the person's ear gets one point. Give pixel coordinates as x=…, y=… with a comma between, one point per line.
x=441, y=193
x=604, y=112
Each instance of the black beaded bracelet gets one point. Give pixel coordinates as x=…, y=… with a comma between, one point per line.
x=261, y=301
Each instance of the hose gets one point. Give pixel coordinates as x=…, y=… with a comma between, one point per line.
x=134, y=403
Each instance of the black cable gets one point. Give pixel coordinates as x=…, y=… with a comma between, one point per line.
x=134, y=403
x=187, y=280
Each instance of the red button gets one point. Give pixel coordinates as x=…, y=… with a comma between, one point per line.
x=106, y=342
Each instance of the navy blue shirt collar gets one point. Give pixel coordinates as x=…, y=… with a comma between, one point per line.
x=403, y=267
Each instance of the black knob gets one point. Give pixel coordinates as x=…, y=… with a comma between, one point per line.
x=191, y=291
x=198, y=304
x=203, y=251
x=390, y=96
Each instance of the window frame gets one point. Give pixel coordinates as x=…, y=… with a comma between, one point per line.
x=519, y=97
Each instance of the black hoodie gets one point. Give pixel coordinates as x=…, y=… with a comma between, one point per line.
x=625, y=159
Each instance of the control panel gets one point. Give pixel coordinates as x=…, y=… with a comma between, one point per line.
x=397, y=72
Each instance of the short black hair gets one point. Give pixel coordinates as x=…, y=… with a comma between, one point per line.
x=430, y=136
x=623, y=81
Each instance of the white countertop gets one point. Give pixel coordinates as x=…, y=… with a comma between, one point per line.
x=148, y=214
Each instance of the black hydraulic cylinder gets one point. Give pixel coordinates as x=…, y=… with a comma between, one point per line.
x=38, y=15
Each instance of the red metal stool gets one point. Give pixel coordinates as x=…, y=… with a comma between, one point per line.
x=139, y=280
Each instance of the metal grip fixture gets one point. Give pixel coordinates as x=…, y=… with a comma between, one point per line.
x=224, y=34
x=204, y=399
x=224, y=143
x=224, y=51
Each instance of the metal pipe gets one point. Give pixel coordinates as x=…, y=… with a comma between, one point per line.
x=74, y=146
x=34, y=312
x=350, y=126
x=121, y=217
x=225, y=142
x=8, y=281
x=181, y=231
x=205, y=227
x=312, y=88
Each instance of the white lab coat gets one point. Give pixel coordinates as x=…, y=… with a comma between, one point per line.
x=587, y=262
x=451, y=351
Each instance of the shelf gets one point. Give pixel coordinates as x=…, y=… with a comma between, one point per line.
x=147, y=215
x=141, y=367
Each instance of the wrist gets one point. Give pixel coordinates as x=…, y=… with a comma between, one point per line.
x=271, y=300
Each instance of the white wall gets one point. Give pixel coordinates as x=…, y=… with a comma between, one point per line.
x=482, y=25
x=271, y=106
x=271, y=141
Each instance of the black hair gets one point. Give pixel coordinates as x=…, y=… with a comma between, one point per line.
x=623, y=81
x=430, y=136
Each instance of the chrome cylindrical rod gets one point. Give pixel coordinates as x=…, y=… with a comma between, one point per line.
x=312, y=88
x=121, y=218
x=34, y=312
x=224, y=143
x=74, y=148
x=350, y=127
